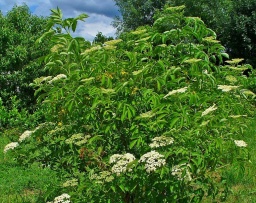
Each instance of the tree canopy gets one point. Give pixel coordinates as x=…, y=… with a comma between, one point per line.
x=19, y=54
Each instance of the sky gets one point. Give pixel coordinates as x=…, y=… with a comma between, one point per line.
x=101, y=13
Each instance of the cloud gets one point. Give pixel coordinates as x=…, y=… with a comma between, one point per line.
x=101, y=13
x=101, y=7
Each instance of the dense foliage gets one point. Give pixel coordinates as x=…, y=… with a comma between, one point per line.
x=19, y=54
x=234, y=21
x=136, y=13
x=146, y=118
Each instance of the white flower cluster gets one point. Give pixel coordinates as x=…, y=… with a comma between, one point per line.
x=148, y=114
x=210, y=109
x=152, y=160
x=78, y=139
x=161, y=141
x=11, y=145
x=64, y=198
x=121, y=162
x=70, y=183
x=104, y=176
x=25, y=135
x=192, y=60
x=107, y=91
x=113, y=42
x=237, y=116
x=58, y=77
x=227, y=88
x=240, y=143
x=92, y=49
x=181, y=90
x=177, y=171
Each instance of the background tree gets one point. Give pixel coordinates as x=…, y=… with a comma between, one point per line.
x=100, y=38
x=136, y=13
x=19, y=54
x=232, y=20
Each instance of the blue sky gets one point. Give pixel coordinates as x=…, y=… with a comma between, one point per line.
x=101, y=13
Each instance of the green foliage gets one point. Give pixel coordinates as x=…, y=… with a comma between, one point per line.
x=232, y=20
x=18, y=55
x=136, y=13
x=12, y=117
x=145, y=118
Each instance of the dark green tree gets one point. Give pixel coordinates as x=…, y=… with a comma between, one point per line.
x=19, y=55
x=136, y=13
x=241, y=32
x=100, y=38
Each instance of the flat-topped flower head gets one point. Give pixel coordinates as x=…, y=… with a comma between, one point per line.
x=25, y=135
x=152, y=160
x=121, y=162
x=227, y=88
x=178, y=171
x=148, y=114
x=138, y=32
x=231, y=78
x=235, y=61
x=64, y=198
x=192, y=60
x=161, y=141
x=104, y=176
x=78, y=139
x=58, y=77
x=113, y=42
x=11, y=145
x=240, y=143
x=210, y=109
x=70, y=183
x=181, y=90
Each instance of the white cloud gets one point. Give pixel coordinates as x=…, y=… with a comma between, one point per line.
x=101, y=13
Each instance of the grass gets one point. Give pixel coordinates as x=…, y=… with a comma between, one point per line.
x=243, y=187
x=23, y=185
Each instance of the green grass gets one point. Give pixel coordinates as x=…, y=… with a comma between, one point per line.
x=243, y=187
x=19, y=184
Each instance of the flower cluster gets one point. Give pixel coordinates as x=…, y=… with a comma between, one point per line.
x=64, y=198
x=138, y=32
x=210, y=109
x=148, y=114
x=92, y=49
x=247, y=92
x=58, y=77
x=227, y=88
x=70, y=183
x=152, y=160
x=237, y=116
x=121, y=162
x=104, y=176
x=113, y=42
x=231, y=78
x=192, y=60
x=177, y=171
x=78, y=139
x=240, y=143
x=107, y=91
x=25, y=135
x=161, y=141
x=11, y=145
x=181, y=90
